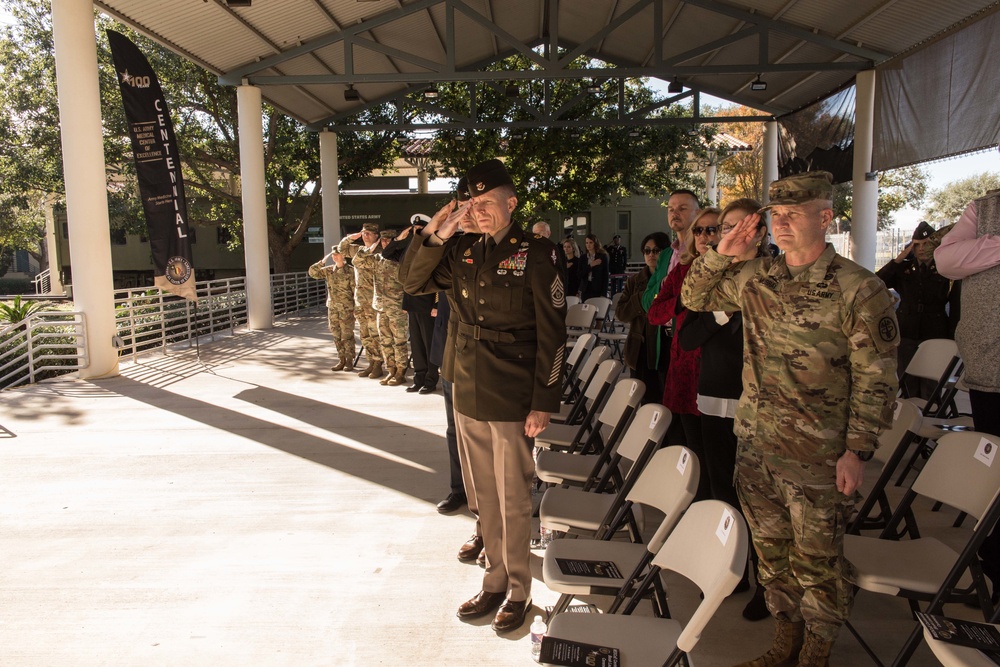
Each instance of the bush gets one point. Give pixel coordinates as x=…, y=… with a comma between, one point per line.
x=12, y=286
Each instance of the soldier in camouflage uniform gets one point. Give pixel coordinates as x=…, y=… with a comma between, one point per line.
x=819, y=382
x=339, y=304
x=364, y=293
x=391, y=320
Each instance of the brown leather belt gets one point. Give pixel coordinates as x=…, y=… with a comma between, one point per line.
x=477, y=332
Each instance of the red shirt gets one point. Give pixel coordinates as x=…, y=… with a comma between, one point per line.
x=680, y=392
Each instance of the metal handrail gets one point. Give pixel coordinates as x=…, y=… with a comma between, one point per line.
x=45, y=344
x=146, y=319
x=43, y=282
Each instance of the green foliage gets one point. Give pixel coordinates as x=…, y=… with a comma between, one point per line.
x=18, y=310
x=947, y=203
x=898, y=188
x=16, y=286
x=555, y=170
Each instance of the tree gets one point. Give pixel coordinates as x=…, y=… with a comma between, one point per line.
x=568, y=169
x=205, y=120
x=947, y=203
x=897, y=189
x=741, y=173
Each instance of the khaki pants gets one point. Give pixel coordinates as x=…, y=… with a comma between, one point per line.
x=501, y=470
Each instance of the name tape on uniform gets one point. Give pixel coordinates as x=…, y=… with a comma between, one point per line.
x=725, y=526
x=682, y=461
x=986, y=451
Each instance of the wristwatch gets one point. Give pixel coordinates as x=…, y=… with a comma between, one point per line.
x=863, y=455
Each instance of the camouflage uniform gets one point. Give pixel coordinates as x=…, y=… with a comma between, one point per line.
x=339, y=305
x=818, y=378
x=364, y=293
x=387, y=301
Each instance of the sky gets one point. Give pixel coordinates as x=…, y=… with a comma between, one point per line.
x=940, y=173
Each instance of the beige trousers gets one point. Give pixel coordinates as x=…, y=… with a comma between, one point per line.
x=501, y=470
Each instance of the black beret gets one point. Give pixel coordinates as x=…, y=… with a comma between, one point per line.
x=922, y=231
x=462, y=190
x=486, y=176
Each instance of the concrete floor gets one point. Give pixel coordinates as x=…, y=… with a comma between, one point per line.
x=250, y=507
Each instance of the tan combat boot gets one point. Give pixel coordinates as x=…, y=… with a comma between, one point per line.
x=815, y=651
x=367, y=371
x=399, y=377
x=340, y=365
x=376, y=371
x=390, y=371
x=784, y=652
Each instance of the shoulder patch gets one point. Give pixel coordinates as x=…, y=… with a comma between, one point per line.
x=876, y=309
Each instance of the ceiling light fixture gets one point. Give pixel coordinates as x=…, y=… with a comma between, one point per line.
x=238, y=3
x=431, y=93
x=594, y=88
x=675, y=87
x=757, y=84
x=351, y=95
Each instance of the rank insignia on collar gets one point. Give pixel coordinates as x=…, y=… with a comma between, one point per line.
x=513, y=241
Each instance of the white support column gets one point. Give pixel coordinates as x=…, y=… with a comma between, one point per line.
x=84, y=173
x=422, y=178
x=711, y=184
x=770, y=157
x=864, y=205
x=259, y=312
x=330, y=171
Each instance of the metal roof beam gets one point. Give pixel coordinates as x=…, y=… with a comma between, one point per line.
x=397, y=53
x=233, y=77
x=527, y=75
x=599, y=36
x=521, y=47
x=712, y=46
x=597, y=122
x=787, y=28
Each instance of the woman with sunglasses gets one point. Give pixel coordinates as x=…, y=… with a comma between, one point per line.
x=680, y=389
x=719, y=338
x=642, y=354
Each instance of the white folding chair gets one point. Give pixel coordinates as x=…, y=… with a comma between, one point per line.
x=572, y=301
x=578, y=348
x=571, y=436
x=584, y=460
x=603, y=305
x=936, y=359
x=668, y=483
x=575, y=404
x=580, y=320
x=709, y=548
x=589, y=513
x=957, y=475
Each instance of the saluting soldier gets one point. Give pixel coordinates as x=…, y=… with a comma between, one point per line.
x=819, y=383
x=364, y=293
x=387, y=300
x=339, y=305
x=511, y=339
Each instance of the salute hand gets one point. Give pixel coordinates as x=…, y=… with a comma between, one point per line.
x=740, y=238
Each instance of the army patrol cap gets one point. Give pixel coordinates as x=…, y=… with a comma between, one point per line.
x=462, y=190
x=387, y=234
x=369, y=227
x=800, y=188
x=922, y=231
x=486, y=176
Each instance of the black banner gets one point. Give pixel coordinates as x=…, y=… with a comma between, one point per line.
x=158, y=166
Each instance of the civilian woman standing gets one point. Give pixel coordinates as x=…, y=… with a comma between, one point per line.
x=573, y=268
x=642, y=351
x=680, y=390
x=595, y=270
x=719, y=337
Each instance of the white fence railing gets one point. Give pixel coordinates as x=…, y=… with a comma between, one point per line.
x=53, y=342
x=45, y=344
x=43, y=282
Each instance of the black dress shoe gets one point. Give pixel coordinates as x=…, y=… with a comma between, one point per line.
x=414, y=388
x=484, y=603
x=511, y=615
x=428, y=388
x=471, y=549
x=452, y=502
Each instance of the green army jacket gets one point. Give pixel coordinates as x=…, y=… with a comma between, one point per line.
x=387, y=294
x=819, y=371
x=510, y=315
x=364, y=276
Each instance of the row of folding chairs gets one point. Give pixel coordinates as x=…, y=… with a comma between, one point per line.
x=959, y=473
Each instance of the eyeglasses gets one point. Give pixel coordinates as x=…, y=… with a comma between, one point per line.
x=698, y=231
x=651, y=251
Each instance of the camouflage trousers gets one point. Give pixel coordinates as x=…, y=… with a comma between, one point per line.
x=368, y=324
x=394, y=334
x=340, y=317
x=797, y=526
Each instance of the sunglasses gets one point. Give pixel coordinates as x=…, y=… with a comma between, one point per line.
x=651, y=251
x=698, y=231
